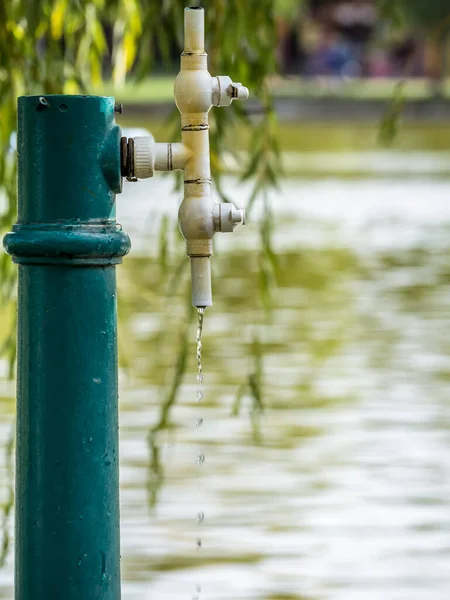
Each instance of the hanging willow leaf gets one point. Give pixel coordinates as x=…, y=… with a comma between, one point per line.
x=389, y=122
x=392, y=13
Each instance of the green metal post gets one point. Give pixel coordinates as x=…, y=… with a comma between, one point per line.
x=67, y=243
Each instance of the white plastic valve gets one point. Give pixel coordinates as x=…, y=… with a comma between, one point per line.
x=226, y=216
x=224, y=91
x=196, y=92
x=150, y=156
x=144, y=157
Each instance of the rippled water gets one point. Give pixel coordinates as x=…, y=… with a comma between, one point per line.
x=340, y=488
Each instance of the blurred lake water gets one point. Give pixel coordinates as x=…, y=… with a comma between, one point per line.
x=340, y=488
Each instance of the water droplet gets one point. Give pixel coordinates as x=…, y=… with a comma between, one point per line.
x=199, y=543
x=199, y=422
x=200, y=459
x=199, y=395
x=200, y=517
x=198, y=338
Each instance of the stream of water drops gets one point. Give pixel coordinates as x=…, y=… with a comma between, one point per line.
x=198, y=337
x=198, y=423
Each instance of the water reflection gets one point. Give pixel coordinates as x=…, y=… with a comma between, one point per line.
x=340, y=488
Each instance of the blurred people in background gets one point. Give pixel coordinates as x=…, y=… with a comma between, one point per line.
x=347, y=27
x=333, y=56
x=345, y=38
x=355, y=19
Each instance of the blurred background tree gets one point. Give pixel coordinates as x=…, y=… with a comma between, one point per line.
x=432, y=19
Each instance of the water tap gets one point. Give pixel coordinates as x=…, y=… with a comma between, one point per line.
x=196, y=92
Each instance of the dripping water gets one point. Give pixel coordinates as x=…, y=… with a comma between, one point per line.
x=196, y=596
x=198, y=423
x=198, y=337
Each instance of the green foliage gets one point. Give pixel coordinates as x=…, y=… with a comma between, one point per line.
x=253, y=387
x=289, y=9
x=389, y=122
x=391, y=12
x=432, y=15
x=155, y=467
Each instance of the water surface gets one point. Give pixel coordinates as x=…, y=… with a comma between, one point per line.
x=340, y=488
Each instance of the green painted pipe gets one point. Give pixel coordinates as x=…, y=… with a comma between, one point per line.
x=67, y=243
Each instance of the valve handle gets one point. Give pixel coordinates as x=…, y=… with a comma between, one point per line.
x=224, y=91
